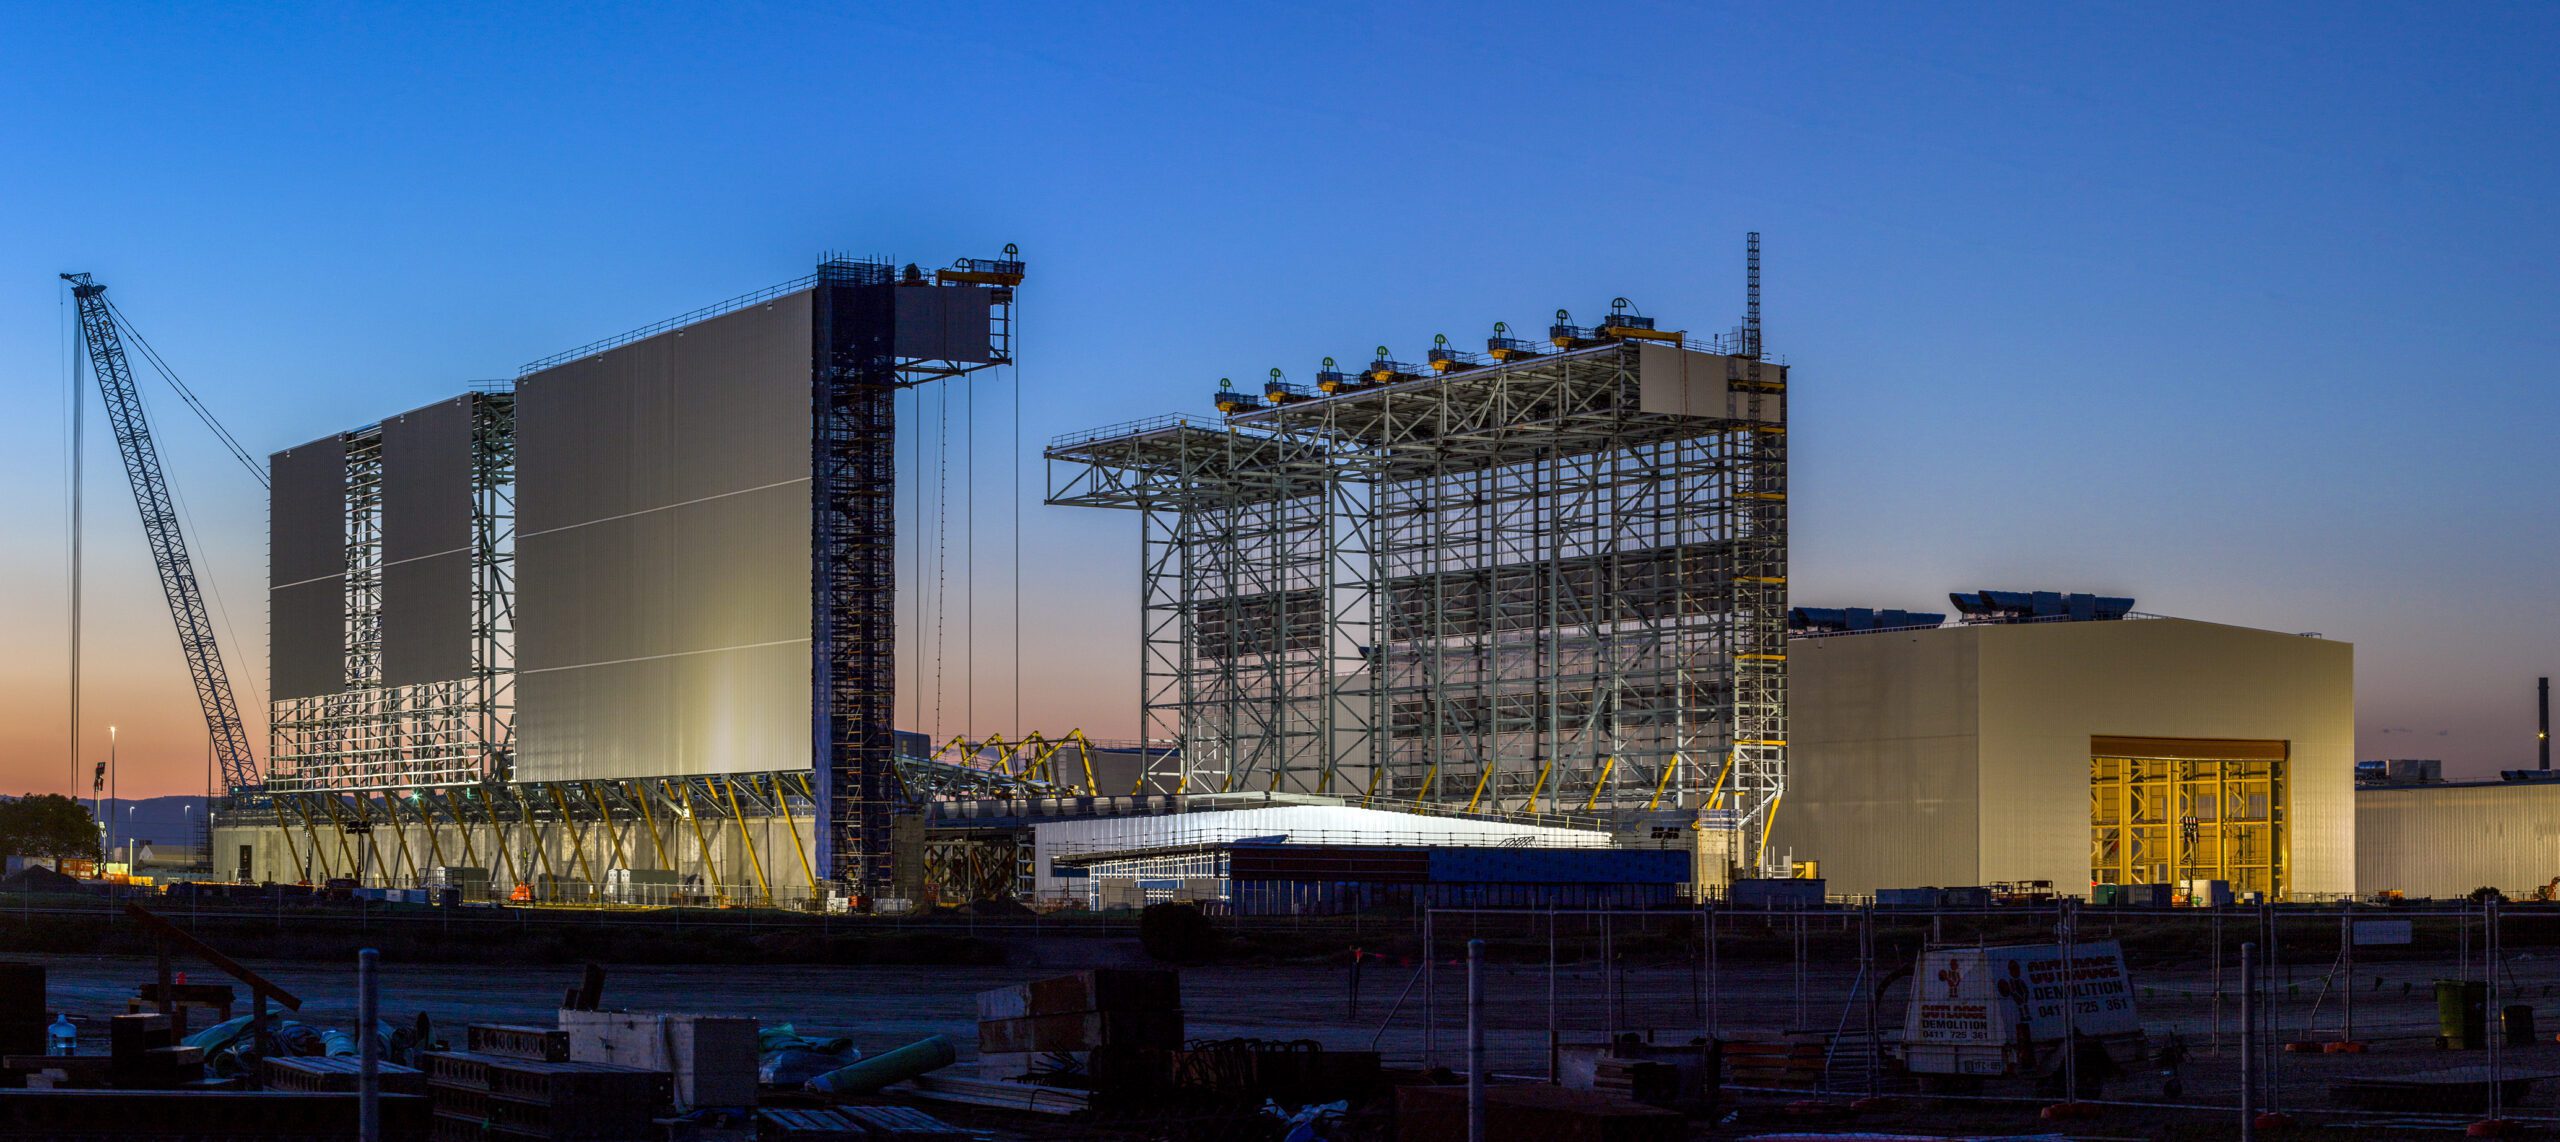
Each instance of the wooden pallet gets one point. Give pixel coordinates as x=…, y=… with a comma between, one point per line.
x=1787, y=1062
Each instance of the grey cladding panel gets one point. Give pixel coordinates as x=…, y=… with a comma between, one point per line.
x=725, y=572
x=307, y=638
x=426, y=541
x=307, y=512
x=306, y=567
x=662, y=553
x=943, y=323
x=698, y=412
x=426, y=481
x=426, y=619
x=737, y=710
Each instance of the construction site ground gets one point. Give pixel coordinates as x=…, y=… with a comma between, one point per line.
x=880, y=1007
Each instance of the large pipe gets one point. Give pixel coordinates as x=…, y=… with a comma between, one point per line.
x=920, y=1057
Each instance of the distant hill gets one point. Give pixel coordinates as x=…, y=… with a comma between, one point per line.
x=161, y=820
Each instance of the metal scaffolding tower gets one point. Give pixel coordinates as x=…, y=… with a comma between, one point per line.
x=1547, y=579
x=458, y=731
x=861, y=365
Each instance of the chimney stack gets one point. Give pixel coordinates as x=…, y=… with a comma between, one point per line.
x=2543, y=737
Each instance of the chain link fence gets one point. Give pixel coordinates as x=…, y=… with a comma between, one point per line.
x=2424, y=1015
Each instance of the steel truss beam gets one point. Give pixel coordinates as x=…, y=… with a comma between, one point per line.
x=557, y=837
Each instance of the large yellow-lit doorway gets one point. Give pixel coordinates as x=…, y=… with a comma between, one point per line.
x=2166, y=810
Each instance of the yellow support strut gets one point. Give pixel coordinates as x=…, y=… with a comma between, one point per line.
x=719, y=887
x=754, y=861
x=577, y=842
x=1599, y=783
x=650, y=817
x=783, y=808
x=1667, y=770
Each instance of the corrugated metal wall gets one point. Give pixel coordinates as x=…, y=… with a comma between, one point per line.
x=662, y=553
x=2443, y=841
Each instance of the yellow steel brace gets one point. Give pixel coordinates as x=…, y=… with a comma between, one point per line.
x=498, y=838
x=719, y=886
x=541, y=849
x=754, y=861
x=577, y=842
x=604, y=812
x=782, y=808
x=1600, y=782
x=650, y=817
x=435, y=845
x=1668, y=768
x=293, y=851
x=1484, y=777
x=470, y=854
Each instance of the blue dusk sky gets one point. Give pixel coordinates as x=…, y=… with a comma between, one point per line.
x=2245, y=311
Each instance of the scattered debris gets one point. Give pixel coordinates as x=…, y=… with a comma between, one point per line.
x=785, y=1058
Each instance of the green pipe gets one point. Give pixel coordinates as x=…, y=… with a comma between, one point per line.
x=869, y=1075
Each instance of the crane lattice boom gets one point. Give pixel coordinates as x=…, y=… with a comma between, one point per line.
x=160, y=525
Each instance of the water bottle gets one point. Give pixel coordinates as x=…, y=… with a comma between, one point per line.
x=62, y=1038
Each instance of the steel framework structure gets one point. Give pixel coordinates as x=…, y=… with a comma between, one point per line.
x=1515, y=585
x=860, y=368
x=562, y=836
x=332, y=752
x=566, y=836
x=451, y=732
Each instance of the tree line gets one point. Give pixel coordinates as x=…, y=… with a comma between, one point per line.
x=49, y=826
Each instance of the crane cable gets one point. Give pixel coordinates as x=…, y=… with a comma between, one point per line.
x=941, y=539
x=151, y=355
x=211, y=581
x=1014, y=351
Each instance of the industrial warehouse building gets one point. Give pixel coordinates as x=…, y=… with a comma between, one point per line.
x=2135, y=751
x=2441, y=841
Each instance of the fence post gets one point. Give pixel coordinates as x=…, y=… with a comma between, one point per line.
x=2497, y=1013
x=1867, y=972
x=1715, y=980
x=368, y=1048
x=2271, y=1035
x=2062, y=924
x=1609, y=973
x=2217, y=976
x=1430, y=996
x=1555, y=1039
x=1803, y=983
x=1475, y=1041
x=2248, y=1041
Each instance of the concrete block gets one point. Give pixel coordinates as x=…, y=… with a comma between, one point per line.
x=712, y=1057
